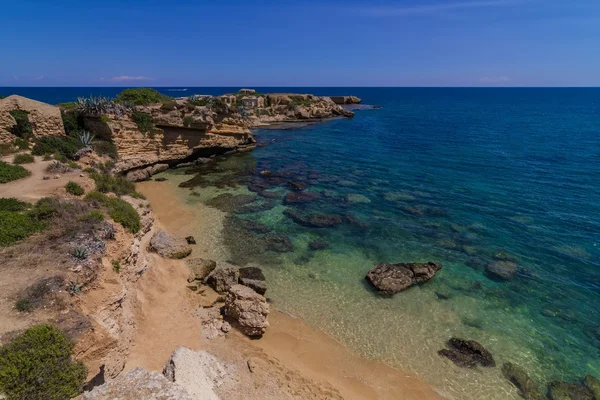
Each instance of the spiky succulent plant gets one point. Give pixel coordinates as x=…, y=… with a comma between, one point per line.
x=86, y=138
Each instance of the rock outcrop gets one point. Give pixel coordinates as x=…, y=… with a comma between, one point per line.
x=248, y=308
x=45, y=119
x=528, y=389
x=254, y=278
x=169, y=245
x=345, y=99
x=467, y=354
x=223, y=278
x=390, y=279
x=198, y=372
x=139, y=384
x=200, y=268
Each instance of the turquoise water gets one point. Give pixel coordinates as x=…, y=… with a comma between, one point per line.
x=460, y=176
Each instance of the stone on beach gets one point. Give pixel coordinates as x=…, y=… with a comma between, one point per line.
x=467, y=354
x=221, y=279
x=390, y=279
x=169, y=245
x=248, y=308
x=200, y=268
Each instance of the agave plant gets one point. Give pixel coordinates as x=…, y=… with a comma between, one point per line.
x=86, y=138
x=101, y=106
x=80, y=253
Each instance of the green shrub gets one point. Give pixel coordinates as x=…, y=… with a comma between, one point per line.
x=103, y=147
x=15, y=227
x=116, y=266
x=197, y=101
x=106, y=183
x=24, y=305
x=94, y=216
x=12, y=204
x=124, y=213
x=23, y=158
x=74, y=188
x=72, y=121
x=80, y=253
x=188, y=120
x=10, y=173
x=22, y=128
x=144, y=121
x=141, y=97
x=73, y=165
x=45, y=208
x=7, y=148
x=70, y=105
x=97, y=198
x=22, y=144
x=37, y=365
x=66, y=146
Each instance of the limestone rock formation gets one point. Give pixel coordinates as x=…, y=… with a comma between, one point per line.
x=169, y=245
x=390, y=279
x=223, y=278
x=200, y=268
x=142, y=174
x=139, y=384
x=45, y=119
x=248, y=308
x=528, y=389
x=467, y=353
x=198, y=372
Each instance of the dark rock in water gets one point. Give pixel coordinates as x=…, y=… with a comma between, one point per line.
x=569, y=391
x=278, y=243
x=467, y=354
x=501, y=270
x=266, y=172
x=412, y=211
x=298, y=186
x=390, y=279
x=528, y=389
x=228, y=202
x=441, y=295
x=314, y=220
x=352, y=219
x=503, y=255
x=270, y=195
x=254, y=278
x=258, y=186
x=301, y=197
x=318, y=245
x=190, y=240
x=251, y=225
x=160, y=179
x=476, y=263
x=593, y=384
x=255, y=207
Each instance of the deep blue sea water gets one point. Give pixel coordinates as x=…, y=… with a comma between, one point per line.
x=461, y=176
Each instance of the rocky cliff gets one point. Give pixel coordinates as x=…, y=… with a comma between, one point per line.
x=44, y=119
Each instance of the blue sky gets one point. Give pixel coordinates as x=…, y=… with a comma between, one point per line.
x=300, y=43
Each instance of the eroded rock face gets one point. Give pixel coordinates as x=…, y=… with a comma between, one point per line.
x=169, y=245
x=198, y=372
x=390, y=279
x=223, y=278
x=467, y=353
x=45, y=119
x=528, y=389
x=249, y=309
x=569, y=391
x=139, y=384
x=142, y=174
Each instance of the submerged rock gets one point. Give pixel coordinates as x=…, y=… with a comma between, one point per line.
x=278, y=243
x=528, y=389
x=313, y=220
x=501, y=270
x=467, y=354
x=200, y=268
x=593, y=384
x=254, y=278
x=228, y=202
x=223, y=278
x=356, y=198
x=249, y=309
x=390, y=279
x=569, y=391
x=139, y=384
x=318, y=245
x=169, y=245
x=503, y=255
x=298, y=186
x=301, y=197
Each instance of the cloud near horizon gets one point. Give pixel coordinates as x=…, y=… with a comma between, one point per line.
x=433, y=8
x=126, y=78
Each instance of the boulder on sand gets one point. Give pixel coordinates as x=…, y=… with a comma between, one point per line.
x=528, y=389
x=390, y=279
x=467, y=354
x=222, y=279
x=169, y=245
x=248, y=308
x=200, y=268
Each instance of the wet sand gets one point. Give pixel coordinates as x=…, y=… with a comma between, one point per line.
x=314, y=356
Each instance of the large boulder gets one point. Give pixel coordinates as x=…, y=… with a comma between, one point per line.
x=222, y=279
x=501, y=270
x=139, y=384
x=200, y=268
x=169, y=245
x=198, y=372
x=467, y=353
x=45, y=119
x=569, y=391
x=528, y=389
x=248, y=308
x=390, y=279
x=254, y=278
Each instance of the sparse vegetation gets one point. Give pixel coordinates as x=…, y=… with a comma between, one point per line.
x=197, y=101
x=188, y=120
x=70, y=105
x=37, y=365
x=22, y=144
x=66, y=146
x=74, y=188
x=141, y=97
x=9, y=173
x=98, y=106
x=94, y=216
x=23, y=158
x=144, y=121
x=58, y=167
x=80, y=253
x=22, y=127
x=7, y=148
x=118, y=209
x=73, y=165
x=116, y=264
x=106, y=183
x=103, y=147
x=13, y=205
x=23, y=305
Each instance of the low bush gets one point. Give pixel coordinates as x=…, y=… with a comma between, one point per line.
x=118, y=209
x=38, y=365
x=74, y=188
x=94, y=216
x=22, y=127
x=188, y=120
x=9, y=173
x=7, y=148
x=103, y=147
x=22, y=144
x=23, y=305
x=13, y=205
x=45, y=208
x=70, y=105
x=144, y=121
x=72, y=120
x=23, y=158
x=66, y=146
x=141, y=97
x=106, y=183
x=116, y=266
x=15, y=226
x=197, y=101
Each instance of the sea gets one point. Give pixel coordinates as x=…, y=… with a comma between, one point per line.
x=467, y=177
